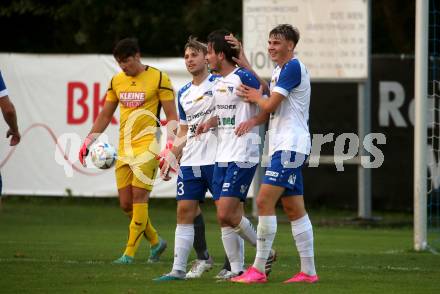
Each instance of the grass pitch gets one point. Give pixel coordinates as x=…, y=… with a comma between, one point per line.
x=67, y=245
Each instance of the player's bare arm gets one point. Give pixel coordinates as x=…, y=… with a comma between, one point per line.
x=256, y=96
x=102, y=121
x=104, y=118
x=242, y=60
x=180, y=141
x=169, y=108
x=173, y=157
x=204, y=127
x=244, y=127
x=10, y=116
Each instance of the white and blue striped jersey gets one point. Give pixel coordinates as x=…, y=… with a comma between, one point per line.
x=231, y=111
x=196, y=104
x=3, y=90
x=289, y=124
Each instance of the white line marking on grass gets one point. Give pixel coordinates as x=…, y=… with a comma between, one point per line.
x=394, y=251
x=24, y=259
x=370, y=267
x=27, y=242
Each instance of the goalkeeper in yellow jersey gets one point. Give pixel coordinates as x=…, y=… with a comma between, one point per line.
x=140, y=90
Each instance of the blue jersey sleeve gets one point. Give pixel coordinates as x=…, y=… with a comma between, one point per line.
x=248, y=78
x=213, y=77
x=3, y=90
x=290, y=77
x=182, y=114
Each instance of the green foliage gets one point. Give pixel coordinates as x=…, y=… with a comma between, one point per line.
x=162, y=27
x=93, y=26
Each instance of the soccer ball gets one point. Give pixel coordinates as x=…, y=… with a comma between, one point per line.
x=103, y=155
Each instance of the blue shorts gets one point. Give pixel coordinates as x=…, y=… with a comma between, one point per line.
x=194, y=181
x=285, y=172
x=233, y=179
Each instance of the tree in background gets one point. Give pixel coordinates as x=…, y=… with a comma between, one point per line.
x=87, y=26
x=162, y=27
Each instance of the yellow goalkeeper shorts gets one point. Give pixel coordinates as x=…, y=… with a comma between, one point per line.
x=137, y=173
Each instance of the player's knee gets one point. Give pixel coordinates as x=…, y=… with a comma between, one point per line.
x=294, y=212
x=126, y=206
x=262, y=205
x=224, y=218
x=184, y=211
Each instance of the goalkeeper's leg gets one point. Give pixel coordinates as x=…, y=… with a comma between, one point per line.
x=150, y=232
x=138, y=221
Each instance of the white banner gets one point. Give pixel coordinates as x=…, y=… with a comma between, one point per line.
x=333, y=35
x=57, y=98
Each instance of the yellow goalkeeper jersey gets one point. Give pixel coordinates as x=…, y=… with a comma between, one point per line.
x=139, y=101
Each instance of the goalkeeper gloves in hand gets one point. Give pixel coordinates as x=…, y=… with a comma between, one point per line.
x=84, y=151
x=164, y=153
x=167, y=161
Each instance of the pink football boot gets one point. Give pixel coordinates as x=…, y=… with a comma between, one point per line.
x=302, y=278
x=251, y=276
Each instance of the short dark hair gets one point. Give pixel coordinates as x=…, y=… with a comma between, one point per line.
x=287, y=31
x=194, y=44
x=220, y=45
x=126, y=48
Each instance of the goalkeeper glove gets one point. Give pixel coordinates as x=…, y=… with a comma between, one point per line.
x=167, y=158
x=84, y=151
x=164, y=153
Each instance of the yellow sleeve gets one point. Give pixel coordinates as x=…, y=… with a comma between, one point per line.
x=166, y=91
x=111, y=94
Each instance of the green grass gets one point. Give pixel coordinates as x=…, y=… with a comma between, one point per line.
x=67, y=245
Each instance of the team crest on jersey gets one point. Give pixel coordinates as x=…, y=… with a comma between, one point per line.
x=132, y=99
x=208, y=93
x=292, y=179
x=231, y=89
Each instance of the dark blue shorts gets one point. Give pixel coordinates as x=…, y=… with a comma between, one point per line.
x=285, y=171
x=233, y=179
x=194, y=181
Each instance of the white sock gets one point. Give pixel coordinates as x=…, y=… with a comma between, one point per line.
x=231, y=243
x=240, y=239
x=266, y=230
x=246, y=230
x=302, y=232
x=183, y=243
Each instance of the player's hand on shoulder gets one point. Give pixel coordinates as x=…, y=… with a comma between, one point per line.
x=15, y=137
x=250, y=94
